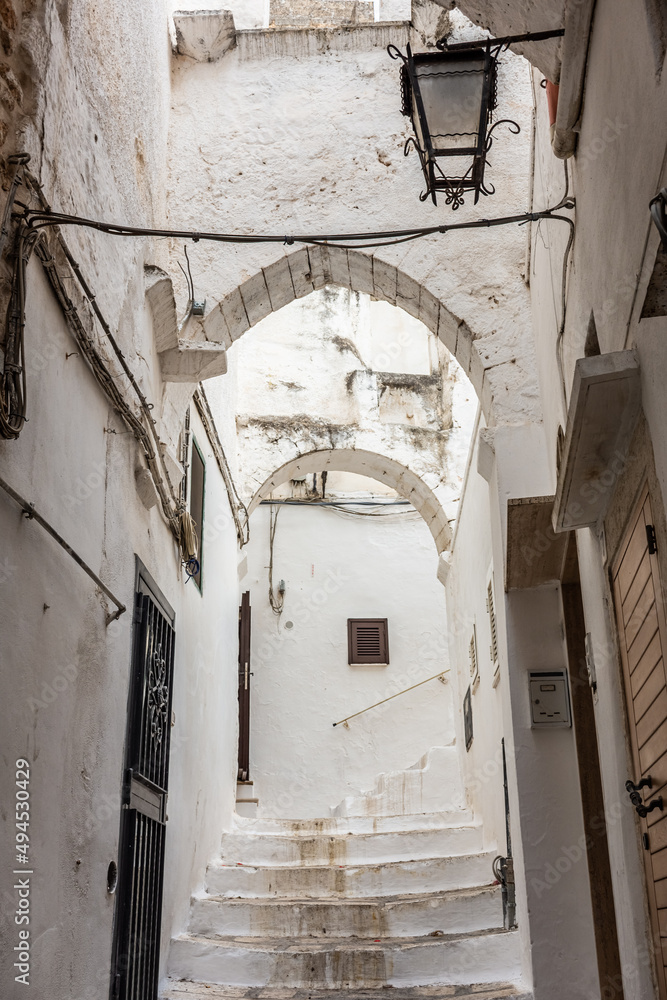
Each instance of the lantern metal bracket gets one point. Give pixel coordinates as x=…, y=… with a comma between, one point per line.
x=499, y=43
x=435, y=147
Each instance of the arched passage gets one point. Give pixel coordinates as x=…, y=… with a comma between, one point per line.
x=499, y=361
x=365, y=463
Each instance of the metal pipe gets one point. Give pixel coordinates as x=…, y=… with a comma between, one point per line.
x=404, y=691
x=32, y=515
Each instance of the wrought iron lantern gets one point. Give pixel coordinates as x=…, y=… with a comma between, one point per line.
x=450, y=96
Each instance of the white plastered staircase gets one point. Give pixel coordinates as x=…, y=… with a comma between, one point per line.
x=395, y=889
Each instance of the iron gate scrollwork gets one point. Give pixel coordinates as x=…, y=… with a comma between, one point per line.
x=136, y=949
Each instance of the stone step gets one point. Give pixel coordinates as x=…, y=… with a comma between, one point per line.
x=433, y=783
x=185, y=990
x=400, y=822
x=351, y=881
x=407, y=916
x=348, y=962
x=349, y=849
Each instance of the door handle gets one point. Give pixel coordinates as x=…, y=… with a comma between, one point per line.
x=644, y=810
x=646, y=782
x=634, y=790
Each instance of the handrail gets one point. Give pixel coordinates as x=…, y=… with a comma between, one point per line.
x=440, y=676
x=32, y=515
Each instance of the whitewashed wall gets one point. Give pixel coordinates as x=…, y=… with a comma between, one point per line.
x=612, y=259
x=337, y=567
x=470, y=571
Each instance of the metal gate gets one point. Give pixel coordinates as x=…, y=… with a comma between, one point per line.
x=134, y=974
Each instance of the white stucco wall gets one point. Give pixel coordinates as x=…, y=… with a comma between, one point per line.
x=65, y=677
x=336, y=567
x=469, y=574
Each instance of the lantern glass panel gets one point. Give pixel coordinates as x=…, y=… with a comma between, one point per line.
x=452, y=91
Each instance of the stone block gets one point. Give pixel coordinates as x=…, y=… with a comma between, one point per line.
x=320, y=267
x=361, y=272
x=193, y=362
x=235, y=315
x=204, y=35
x=407, y=294
x=463, y=347
x=299, y=265
x=384, y=281
x=279, y=283
x=448, y=328
x=476, y=368
x=429, y=310
x=255, y=297
x=160, y=298
x=216, y=329
x=486, y=454
x=444, y=567
x=340, y=268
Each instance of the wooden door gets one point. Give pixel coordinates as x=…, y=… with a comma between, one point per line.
x=244, y=688
x=640, y=618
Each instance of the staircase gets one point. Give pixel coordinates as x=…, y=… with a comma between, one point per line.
x=354, y=903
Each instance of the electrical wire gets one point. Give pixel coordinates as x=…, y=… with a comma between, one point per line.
x=39, y=219
x=191, y=291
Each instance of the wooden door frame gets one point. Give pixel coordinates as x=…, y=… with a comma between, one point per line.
x=643, y=495
x=590, y=778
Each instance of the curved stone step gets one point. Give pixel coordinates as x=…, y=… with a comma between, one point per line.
x=187, y=990
x=348, y=962
x=399, y=823
x=351, y=848
x=350, y=881
x=408, y=916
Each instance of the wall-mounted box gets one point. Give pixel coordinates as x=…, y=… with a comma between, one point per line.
x=549, y=700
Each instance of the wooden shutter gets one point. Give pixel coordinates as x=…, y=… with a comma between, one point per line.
x=472, y=652
x=492, y=623
x=197, y=484
x=367, y=641
x=467, y=718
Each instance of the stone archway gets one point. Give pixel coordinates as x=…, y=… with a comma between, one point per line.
x=408, y=484
x=498, y=361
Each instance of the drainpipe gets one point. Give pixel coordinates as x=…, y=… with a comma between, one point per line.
x=578, y=19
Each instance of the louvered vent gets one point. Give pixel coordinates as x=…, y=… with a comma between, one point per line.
x=367, y=641
x=492, y=623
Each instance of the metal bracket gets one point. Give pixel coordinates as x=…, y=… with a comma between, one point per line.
x=501, y=43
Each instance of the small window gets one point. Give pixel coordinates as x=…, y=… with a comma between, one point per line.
x=197, y=477
x=467, y=718
x=493, y=651
x=367, y=641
